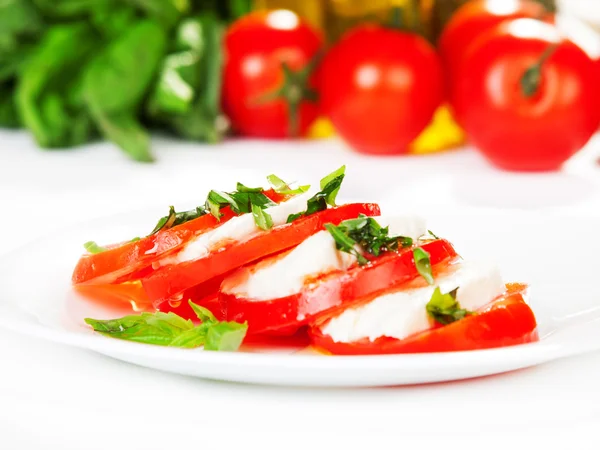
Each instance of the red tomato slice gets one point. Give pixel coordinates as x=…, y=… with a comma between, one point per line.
x=506, y=321
x=332, y=292
x=122, y=260
x=170, y=281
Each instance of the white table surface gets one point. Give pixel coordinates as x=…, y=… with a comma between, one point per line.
x=52, y=396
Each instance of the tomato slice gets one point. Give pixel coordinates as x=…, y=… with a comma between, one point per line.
x=170, y=281
x=331, y=292
x=505, y=322
x=121, y=262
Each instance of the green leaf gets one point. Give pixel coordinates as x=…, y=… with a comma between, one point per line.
x=126, y=132
x=203, y=313
x=196, y=337
x=118, y=77
x=18, y=17
x=204, y=120
x=241, y=188
x=43, y=94
x=431, y=234
x=169, y=329
x=165, y=222
x=281, y=187
x=326, y=196
x=70, y=8
x=423, y=264
x=94, y=248
x=177, y=218
x=168, y=12
x=157, y=328
x=262, y=219
x=345, y=243
x=9, y=117
x=366, y=233
x=217, y=200
x=225, y=336
x=444, y=309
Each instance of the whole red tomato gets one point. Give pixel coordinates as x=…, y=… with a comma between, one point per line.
x=527, y=97
x=267, y=83
x=477, y=16
x=380, y=88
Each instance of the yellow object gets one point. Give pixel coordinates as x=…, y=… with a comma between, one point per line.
x=311, y=10
x=322, y=128
x=441, y=134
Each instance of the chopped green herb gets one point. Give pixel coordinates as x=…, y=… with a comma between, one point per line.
x=330, y=186
x=135, y=239
x=345, y=243
x=423, y=264
x=262, y=219
x=241, y=188
x=165, y=222
x=177, y=218
x=368, y=234
x=169, y=329
x=94, y=248
x=332, y=193
x=432, y=234
x=281, y=187
x=444, y=309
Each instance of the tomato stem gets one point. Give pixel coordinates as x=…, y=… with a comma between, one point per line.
x=531, y=79
x=293, y=91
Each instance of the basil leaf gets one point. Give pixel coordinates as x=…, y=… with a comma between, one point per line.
x=202, y=313
x=423, y=264
x=367, y=233
x=345, y=243
x=94, y=248
x=331, y=186
x=165, y=222
x=281, y=187
x=169, y=329
x=433, y=235
x=196, y=337
x=262, y=219
x=321, y=199
x=225, y=336
x=157, y=329
x=241, y=188
x=332, y=176
x=217, y=200
x=444, y=309
x=278, y=184
x=245, y=200
x=135, y=239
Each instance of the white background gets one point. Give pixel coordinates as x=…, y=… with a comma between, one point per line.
x=57, y=397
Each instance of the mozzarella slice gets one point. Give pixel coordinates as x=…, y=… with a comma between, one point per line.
x=403, y=313
x=286, y=275
x=238, y=229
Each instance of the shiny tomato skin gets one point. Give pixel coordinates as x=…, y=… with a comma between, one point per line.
x=476, y=17
x=169, y=282
x=515, y=132
x=130, y=261
x=380, y=88
x=505, y=322
x=256, y=46
x=329, y=294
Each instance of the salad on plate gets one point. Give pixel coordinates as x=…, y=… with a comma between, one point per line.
x=287, y=262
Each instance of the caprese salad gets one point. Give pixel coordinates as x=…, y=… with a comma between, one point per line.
x=288, y=260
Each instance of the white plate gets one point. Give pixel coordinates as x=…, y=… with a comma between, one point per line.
x=556, y=254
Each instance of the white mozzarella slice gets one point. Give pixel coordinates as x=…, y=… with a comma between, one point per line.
x=403, y=313
x=286, y=275
x=238, y=229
